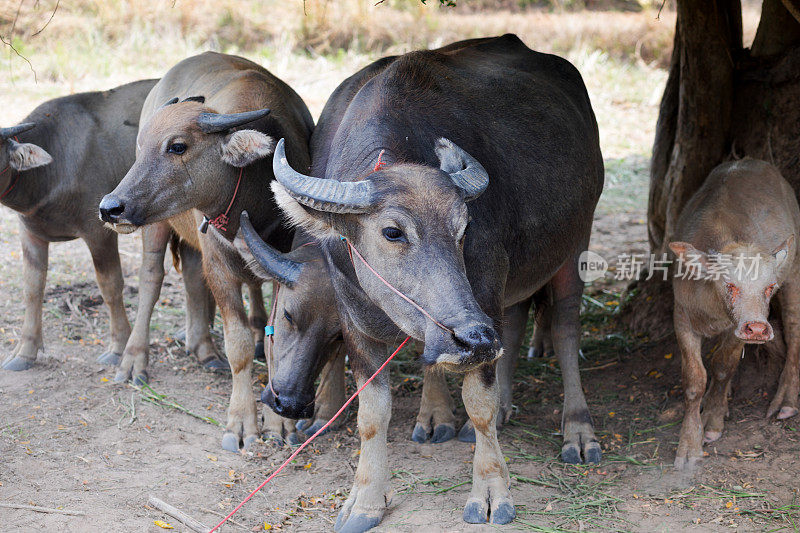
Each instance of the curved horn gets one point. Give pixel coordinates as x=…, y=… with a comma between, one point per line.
x=464, y=170
x=216, y=122
x=321, y=194
x=283, y=270
x=6, y=133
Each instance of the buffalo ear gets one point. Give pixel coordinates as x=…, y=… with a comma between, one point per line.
x=242, y=147
x=690, y=255
x=316, y=223
x=25, y=156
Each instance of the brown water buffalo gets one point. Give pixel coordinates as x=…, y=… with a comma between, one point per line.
x=197, y=168
x=737, y=241
x=491, y=169
x=56, y=165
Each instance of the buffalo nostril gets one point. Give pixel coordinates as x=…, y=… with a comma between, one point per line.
x=757, y=328
x=111, y=209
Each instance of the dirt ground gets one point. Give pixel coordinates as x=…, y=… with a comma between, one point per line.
x=72, y=439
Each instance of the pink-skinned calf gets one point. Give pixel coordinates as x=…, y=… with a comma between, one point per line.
x=736, y=245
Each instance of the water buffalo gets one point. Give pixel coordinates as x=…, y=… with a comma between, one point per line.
x=402, y=159
x=736, y=239
x=197, y=168
x=91, y=138
x=308, y=340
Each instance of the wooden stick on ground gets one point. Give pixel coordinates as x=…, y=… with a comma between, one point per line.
x=41, y=509
x=185, y=519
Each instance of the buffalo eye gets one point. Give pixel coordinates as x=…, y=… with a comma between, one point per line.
x=394, y=235
x=176, y=148
x=287, y=316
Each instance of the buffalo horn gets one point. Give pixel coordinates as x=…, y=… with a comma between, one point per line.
x=464, y=170
x=217, y=122
x=7, y=133
x=283, y=270
x=321, y=194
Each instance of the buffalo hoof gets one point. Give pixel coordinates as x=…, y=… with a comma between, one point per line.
x=259, y=354
x=477, y=511
x=571, y=453
x=687, y=463
x=122, y=376
x=467, y=433
x=293, y=439
x=316, y=426
x=504, y=513
x=17, y=364
x=110, y=359
x=443, y=433
x=141, y=379
x=420, y=434
x=786, y=412
x=217, y=366
x=248, y=441
x=230, y=442
x=711, y=436
x=274, y=438
x=356, y=523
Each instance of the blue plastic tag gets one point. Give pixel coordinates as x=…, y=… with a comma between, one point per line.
x=269, y=330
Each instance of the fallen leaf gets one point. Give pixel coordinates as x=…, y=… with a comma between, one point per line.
x=668, y=356
x=211, y=457
x=105, y=380
x=162, y=524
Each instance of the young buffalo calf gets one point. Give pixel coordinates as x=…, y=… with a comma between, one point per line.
x=744, y=219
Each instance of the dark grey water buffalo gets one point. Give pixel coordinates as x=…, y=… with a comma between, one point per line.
x=308, y=342
x=492, y=170
x=56, y=165
x=202, y=157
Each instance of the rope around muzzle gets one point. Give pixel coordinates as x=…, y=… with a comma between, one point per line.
x=351, y=250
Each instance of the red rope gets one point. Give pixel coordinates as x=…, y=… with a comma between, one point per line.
x=13, y=184
x=221, y=221
x=314, y=436
x=380, y=164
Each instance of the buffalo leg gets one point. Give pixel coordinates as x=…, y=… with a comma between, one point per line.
x=690, y=446
x=151, y=275
x=242, y=425
x=258, y=319
x=370, y=494
x=514, y=322
x=785, y=402
x=576, y=422
x=541, y=344
x=723, y=367
x=108, y=270
x=435, y=419
x=331, y=394
x=34, y=275
x=490, y=497
x=199, y=306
